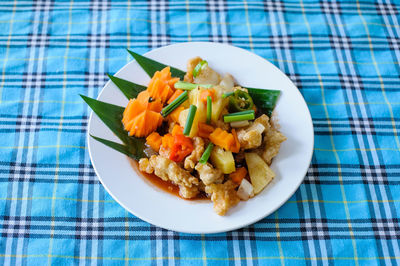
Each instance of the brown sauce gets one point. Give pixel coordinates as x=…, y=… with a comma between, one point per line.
x=166, y=186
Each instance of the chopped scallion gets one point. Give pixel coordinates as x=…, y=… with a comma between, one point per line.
x=209, y=110
x=199, y=67
x=189, y=121
x=227, y=94
x=187, y=86
x=239, y=116
x=241, y=113
x=206, y=153
x=174, y=104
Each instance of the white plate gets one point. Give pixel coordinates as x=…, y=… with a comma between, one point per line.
x=170, y=212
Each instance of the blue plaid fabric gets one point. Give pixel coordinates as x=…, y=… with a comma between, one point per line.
x=344, y=57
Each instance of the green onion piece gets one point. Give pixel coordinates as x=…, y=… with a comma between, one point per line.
x=183, y=85
x=206, y=153
x=241, y=113
x=199, y=67
x=175, y=103
x=209, y=106
x=189, y=121
x=227, y=94
x=238, y=117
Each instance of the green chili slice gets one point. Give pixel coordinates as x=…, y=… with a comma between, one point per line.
x=240, y=101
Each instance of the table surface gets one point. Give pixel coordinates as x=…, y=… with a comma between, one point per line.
x=343, y=56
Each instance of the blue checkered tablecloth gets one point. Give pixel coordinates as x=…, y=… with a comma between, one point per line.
x=344, y=57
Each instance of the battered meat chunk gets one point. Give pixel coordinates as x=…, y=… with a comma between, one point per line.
x=221, y=124
x=273, y=139
x=164, y=152
x=251, y=136
x=191, y=64
x=144, y=166
x=166, y=169
x=263, y=120
x=224, y=196
x=207, y=76
x=208, y=174
x=194, y=157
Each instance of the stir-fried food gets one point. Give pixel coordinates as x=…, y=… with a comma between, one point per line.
x=206, y=135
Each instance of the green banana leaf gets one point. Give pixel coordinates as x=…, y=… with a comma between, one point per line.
x=150, y=66
x=111, y=115
x=264, y=99
x=116, y=146
x=129, y=89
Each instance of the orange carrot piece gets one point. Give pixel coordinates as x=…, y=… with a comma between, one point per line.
x=172, y=82
x=174, y=96
x=174, y=116
x=236, y=145
x=205, y=93
x=127, y=111
x=144, y=98
x=222, y=138
x=161, y=85
x=142, y=115
x=154, y=141
x=204, y=130
x=134, y=109
x=153, y=79
x=167, y=141
x=128, y=125
x=155, y=106
x=135, y=123
x=154, y=87
x=177, y=129
x=165, y=73
x=238, y=175
x=165, y=93
x=145, y=123
x=137, y=106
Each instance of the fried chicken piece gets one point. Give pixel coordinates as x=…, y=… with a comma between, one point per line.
x=144, y=166
x=191, y=64
x=221, y=124
x=224, y=196
x=208, y=174
x=194, y=157
x=251, y=136
x=273, y=140
x=166, y=169
x=263, y=120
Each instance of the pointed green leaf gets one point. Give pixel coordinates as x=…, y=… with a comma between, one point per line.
x=111, y=115
x=129, y=89
x=264, y=99
x=150, y=66
x=116, y=146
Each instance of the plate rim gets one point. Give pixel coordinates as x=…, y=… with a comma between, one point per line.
x=231, y=228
